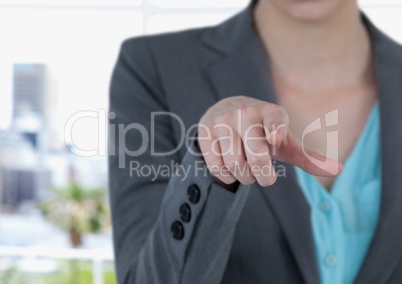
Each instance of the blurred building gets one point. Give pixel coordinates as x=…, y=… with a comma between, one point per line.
x=29, y=89
x=35, y=105
x=22, y=178
x=23, y=186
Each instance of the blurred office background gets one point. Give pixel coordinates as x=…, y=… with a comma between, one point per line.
x=56, y=61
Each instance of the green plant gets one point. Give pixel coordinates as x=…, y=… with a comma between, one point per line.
x=77, y=210
x=9, y=276
x=82, y=275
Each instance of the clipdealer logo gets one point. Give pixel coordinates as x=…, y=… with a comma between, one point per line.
x=120, y=130
x=108, y=128
x=331, y=119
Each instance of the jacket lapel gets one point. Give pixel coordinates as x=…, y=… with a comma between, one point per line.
x=286, y=200
x=242, y=70
x=386, y=247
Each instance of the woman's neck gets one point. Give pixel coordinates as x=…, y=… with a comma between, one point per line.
x=322, y=54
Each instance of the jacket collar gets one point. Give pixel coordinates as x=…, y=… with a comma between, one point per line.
x=386, y=247
x=242, y=69
x=232, y=33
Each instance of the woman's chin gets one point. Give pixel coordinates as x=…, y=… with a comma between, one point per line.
x=310, y=11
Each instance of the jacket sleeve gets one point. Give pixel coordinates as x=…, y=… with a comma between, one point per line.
x=154, y=243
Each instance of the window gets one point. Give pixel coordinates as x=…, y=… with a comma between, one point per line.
x=56, y=61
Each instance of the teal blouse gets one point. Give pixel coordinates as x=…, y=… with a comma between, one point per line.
x=344, y=220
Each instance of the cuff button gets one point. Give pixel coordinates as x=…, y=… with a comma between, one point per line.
x=193, y=193
x=185, y=213
x=177, y=230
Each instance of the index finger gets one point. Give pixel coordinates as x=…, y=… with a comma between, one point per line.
x=291, y=151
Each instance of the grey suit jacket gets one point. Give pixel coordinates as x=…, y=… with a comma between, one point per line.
x=256, y=235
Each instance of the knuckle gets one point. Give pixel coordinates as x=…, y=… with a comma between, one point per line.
x=257, y=159
x=212, y=161
x=226, y=100
x=267, y=181
x=282, y=113
x=280, y=110
x=242, y=97
x=249, y=114
x=274, y=110
x=224, y=118
x=231, y=164
x=225, y=179
x=268, y=108
x=203, y=130
x=247, y=110
x=257, y=148
x=247, y=180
